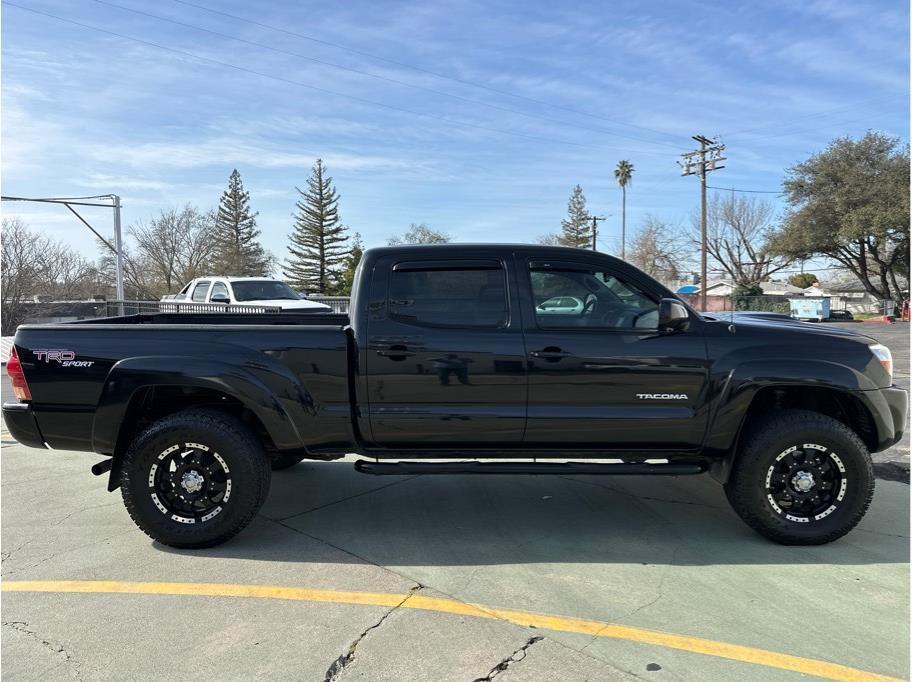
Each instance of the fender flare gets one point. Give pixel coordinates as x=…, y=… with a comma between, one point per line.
x=744, y=382
x=269, y=390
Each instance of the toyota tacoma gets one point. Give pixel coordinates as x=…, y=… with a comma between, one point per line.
x=509, y=359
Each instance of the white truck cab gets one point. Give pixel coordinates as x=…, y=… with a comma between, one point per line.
x=254, y=291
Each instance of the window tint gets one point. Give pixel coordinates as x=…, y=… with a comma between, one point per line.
x=263, y=290
x=199, y=292
x=218, y=288
x=590, y=298
x=449, y=297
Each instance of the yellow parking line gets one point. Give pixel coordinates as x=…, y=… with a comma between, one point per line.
x=735, y=652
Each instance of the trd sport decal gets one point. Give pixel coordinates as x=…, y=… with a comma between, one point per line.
x=66, y=358
x=662, y=396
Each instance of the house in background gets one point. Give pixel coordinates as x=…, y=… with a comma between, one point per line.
x=849, y=296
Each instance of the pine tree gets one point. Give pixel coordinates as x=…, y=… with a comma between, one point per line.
x=238, y=253
x=351, y=264
x=318, y=240
x=575, y=229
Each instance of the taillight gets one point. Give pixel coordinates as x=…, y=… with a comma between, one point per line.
x=17, y=377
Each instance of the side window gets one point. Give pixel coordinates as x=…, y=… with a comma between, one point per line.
x=199, y=292
x=589, y=298
x=219, y=288
x=449, y=295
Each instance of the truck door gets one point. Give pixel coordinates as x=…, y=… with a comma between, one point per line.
x=445, y=354
x=601, y=375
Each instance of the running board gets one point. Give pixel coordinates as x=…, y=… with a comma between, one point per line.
x=474, y=467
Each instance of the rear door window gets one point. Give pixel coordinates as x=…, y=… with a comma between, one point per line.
x=449, y=293
x=199, y=292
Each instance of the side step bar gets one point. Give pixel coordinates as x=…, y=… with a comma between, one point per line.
x=474, y=467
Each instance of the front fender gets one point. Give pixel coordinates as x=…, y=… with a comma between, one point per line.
x=268, y=389
x=736, y=389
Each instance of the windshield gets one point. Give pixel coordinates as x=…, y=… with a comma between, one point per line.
x=263, y=290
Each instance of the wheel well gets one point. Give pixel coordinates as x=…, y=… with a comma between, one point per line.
x=829, y=401
x=151, y=403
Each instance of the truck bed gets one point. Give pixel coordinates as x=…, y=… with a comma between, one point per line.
x=79, y=371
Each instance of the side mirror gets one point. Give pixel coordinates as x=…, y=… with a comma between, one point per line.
x=220, y=298
x=673, y=316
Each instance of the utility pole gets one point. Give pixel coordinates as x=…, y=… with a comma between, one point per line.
x=701, y=162
x=118, y=245
x=595, y=230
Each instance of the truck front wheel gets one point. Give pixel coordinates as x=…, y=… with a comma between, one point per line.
x=195, y=478
x=801, y=478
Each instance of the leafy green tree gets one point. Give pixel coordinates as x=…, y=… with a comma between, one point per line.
x=575, y=228
x=851, y=203
x=623, y=174
x=419, y=233
x=750, y=297
x=318, y=242
x=803, y=280
x=237, y=251
x=351, y=264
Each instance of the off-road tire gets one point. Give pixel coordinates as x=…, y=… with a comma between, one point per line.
x=746, y=488
x=236, y=444
x=284, y=460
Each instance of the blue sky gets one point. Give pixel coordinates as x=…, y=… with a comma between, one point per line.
x=537, y=97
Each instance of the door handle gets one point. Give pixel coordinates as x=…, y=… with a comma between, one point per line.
x=550, y=353
x=395, y=353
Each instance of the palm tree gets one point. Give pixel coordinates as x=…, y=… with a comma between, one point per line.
x=622, y=174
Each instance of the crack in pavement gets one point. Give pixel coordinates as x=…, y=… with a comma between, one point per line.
x=661, y=589
x=340, y=664
x=22, y=626
x=344, y=499
x=54, y=555
x=513, y=658
x=85, y=509
x=644, y=497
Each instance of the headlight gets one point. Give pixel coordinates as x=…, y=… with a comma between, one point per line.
x=883, y=354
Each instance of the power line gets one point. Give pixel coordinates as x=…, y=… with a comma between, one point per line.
x=281, y=79
x=441, y=93
x=420, y=69
x=819, y=114
x=747, y=191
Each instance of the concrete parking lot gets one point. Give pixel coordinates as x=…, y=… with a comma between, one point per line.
x=346, y=576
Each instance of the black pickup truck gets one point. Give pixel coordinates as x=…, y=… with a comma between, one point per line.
x=465, y=359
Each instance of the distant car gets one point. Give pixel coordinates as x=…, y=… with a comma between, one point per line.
x=253, y=291
x=841, y=315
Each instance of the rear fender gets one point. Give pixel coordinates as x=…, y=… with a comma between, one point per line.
x=268, y=389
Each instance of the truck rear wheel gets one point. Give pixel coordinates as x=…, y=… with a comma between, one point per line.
x=195, y=478
x=801, y=478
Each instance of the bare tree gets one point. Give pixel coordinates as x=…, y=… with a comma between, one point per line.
x=419, y=233
x=178, y=245
x=658, y=251
x=739, y=235
x=166, y=252
x=550, y=239
x=35, y=267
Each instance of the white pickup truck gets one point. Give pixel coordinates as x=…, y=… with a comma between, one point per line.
x=251, y=291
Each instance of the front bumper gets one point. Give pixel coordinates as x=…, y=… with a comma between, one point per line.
x=890, y=409
x=21, y=423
